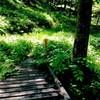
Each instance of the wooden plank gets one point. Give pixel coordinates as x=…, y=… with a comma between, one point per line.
x=20, y=68
x=29, y=84
x=28, y=75
x=58, y=83
x=35, y=97
x=21, y=81
x=29, y=72
x=23, y=84
x=25, y=78
x=26, y=88
x=33, y=76
x=30, y=92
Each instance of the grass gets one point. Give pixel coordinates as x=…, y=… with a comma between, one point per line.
x=40, y=34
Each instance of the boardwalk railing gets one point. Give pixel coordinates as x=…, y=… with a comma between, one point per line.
x=59, y=85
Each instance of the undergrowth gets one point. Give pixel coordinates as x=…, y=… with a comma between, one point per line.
x=80, y=82
x=12, y=54
x=22, y=19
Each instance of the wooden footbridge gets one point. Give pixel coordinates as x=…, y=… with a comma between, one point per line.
x=32, y=84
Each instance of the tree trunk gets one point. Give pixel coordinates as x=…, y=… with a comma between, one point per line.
x=83, y=29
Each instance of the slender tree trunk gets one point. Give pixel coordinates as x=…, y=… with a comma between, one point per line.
x=83, y=29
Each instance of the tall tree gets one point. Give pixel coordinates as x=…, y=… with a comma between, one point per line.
x=83, y=29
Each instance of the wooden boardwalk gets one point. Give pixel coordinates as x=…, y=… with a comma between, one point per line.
x=30, y=84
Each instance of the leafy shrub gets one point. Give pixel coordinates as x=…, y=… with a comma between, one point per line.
x=59, y=56
x=5, y=47
x=21, y=26
x=6, y=68
x=80, y=82
x=41, y=19
x=60, y=60
x=3, y=57
x=21, y=49
x=95, y=42
x=55, y=55
x=23, y=19
x=11, y=54
x=6, y=65
x=38, y=52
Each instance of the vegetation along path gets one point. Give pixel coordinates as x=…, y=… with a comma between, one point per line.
x=30, y=84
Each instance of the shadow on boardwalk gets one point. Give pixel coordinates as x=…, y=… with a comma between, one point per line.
x=30, y=84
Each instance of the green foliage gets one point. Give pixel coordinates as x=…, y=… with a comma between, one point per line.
x=38, y=52
x=78, y=74
x=59, y=60
x=2, y=56
x=95, y=42
x=57, y=55
x=6, y=64
x=97, y=1
x=64, y=22
x=11, y=54
x=80, y=80
x=6, y=68
x=21, y=26
x=20, y=50
x=23, y=19
x=5, y=47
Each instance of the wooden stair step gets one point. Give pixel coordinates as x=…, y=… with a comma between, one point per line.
x=33, y=76
x=51, y=96
x=25, y=78
x=28, y=75
x=23, y=84
x=6, y=82
x=26, y=88
x=30, y=92
x=20, y=68
x=30, y=84
x=29, y=72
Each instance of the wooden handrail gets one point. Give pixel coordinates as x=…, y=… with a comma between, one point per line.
x=59, y=85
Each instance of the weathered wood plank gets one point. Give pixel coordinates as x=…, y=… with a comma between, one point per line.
x=30, y=92
x=25, y=78
x=26, y=88
x=51, y=96
x=28, y=75
x=29, y=84
x=23, y=84
x=61, y=88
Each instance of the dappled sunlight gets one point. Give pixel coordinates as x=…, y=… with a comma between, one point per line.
x=39, y=37
x=49, y=18
x=17, y=3
x=1, y=90
x=55, y=36
x=94, y=56
x=28, y=9
x=3, y=22
x=9, y=38
x=61, y=36
x=32, y=38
